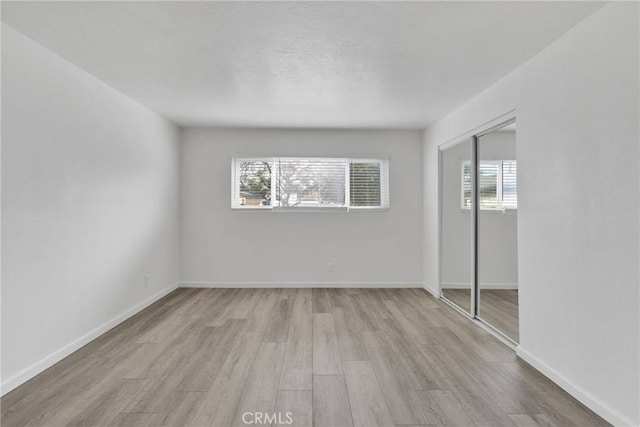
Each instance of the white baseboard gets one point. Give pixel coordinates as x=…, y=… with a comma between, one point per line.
x=461, y=285
x=300, y=285
x=31, y=371
x=433, y=291
x=580, y=394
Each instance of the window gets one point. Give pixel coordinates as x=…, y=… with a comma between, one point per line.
x=364, y=183
x=497, y=185
x=309, y=183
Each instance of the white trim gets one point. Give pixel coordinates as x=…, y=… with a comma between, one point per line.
x=433, y=291
x=235, y=189
x=367, y=209
x=479, y=130
x=440, y=223
x=587, y=399
x=503, y=211
x=310, y=209
x=197, y=284
x=462, y=285
x=34, y=369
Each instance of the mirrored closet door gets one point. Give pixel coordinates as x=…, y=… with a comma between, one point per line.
x=498, y=230
x=478, y=212
x=456, y=225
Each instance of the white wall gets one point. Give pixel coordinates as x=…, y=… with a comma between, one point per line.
x=89, y=206
x=225, y=247
x=497, y=230
x=577, y=111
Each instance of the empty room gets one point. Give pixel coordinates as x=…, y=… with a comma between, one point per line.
x=230, y=213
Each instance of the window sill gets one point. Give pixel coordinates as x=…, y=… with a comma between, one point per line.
x=493, y=211
x=310, y=209
x=251, y=209
x=368, y=209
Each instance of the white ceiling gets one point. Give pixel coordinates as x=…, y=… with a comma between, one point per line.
x=298, y=64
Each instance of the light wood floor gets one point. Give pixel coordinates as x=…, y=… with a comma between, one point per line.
x=498, y=307
x=332, y=357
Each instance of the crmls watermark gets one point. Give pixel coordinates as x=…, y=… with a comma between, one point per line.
x=267, y=418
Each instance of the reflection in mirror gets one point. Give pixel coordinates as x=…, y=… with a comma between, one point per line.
x=497, y=230
x=456, y=239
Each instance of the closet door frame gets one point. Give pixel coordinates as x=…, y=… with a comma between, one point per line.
x=473, y=135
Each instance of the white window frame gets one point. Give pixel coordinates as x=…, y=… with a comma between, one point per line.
x=235, y=182
x=499, y=184
x=273, y=160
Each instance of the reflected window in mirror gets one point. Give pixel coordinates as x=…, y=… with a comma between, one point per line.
x=497, y=185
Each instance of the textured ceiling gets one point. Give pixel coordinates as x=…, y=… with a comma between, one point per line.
x=298, y=64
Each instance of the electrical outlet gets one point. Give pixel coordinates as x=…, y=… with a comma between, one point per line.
x=147, y=280
x=330, y=267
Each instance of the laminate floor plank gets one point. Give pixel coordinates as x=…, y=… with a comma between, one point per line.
x=330, y=357
x=264, y=314
x=219, y=404
x=338, y=298
x=301, y=327
x=367, y=319
x=374, y=298
x=326, y=352
x=321, y=300
x=368, y=407
x=204, y=364
x=304, y=293
x=244, y=307
x=182, y=409
x=277, y=326
x=169, y=351
x=261, y=389
x=288, y=293
x=295, y=406
x=394, y=381
x=331, y=402
x=40, y=396
x=465, y=382
x=62, y=404
x=534, y=420
x=420, y=374
x=297, y=368
x=107, y=406
x=352, y=315
x=446, y=408
x=134, y=420
x=350, y=343
x=222, y=309
x=406, y=325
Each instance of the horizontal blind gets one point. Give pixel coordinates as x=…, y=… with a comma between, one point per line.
x=488, y=186
x=365, y=184
x=309, y=182
x=509, y=185
x=466, y=185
